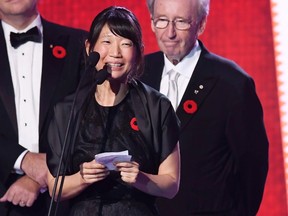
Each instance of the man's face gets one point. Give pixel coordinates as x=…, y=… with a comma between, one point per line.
x=11, y=8
x=175, y=43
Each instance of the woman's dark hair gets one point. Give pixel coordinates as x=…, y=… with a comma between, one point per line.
x=121, y=22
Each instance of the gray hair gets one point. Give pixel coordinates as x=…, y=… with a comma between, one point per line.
x=202, y=10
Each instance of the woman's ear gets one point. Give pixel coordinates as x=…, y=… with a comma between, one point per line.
x=87, y=47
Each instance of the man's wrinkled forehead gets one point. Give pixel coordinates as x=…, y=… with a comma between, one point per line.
x=175, y=8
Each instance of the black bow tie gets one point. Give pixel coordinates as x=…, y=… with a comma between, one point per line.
x=18, y=39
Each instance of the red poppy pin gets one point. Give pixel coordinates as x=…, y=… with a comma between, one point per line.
x=190, y=106
x=59, y=52
x=133, y=124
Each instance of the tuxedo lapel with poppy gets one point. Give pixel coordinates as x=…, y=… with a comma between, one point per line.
x=53, y=68
x=152, y=76
x=62, y=59
x=199, y=87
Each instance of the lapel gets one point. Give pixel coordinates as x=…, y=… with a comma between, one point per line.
x=200, y=85
x=6, y=85
x=52, y=66
x=154, y=64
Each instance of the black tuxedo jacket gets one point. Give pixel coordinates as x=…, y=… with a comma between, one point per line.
x=223, y=143
x=60, y=75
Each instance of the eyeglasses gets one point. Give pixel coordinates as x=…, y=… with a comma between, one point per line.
x=179, y=24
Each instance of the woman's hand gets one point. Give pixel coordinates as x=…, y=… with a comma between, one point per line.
x=93, y=172
x=165, y=183
x=90, y=172
x=129, y=171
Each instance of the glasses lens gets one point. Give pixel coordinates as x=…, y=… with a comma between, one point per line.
x=161, y=23
x=182, y=25
x=179, y=24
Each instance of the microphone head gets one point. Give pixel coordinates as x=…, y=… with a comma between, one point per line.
x=102, y=74
x=93, y=59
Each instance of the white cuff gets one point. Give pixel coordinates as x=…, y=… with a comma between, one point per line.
x=17, y=165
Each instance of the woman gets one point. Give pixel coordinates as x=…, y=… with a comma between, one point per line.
x=119, y=114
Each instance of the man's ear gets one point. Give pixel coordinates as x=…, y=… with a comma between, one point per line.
x=152, y=23
x=202, y=26
x=87, y=47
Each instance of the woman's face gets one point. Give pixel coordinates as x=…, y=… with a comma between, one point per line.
x=117, y=52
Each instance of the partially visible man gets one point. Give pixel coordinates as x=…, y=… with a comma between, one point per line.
x=223, y=143
x=37, y=69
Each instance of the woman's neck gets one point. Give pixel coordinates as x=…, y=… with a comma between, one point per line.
x=110, y=95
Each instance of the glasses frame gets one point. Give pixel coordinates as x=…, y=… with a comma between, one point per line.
x=174, y=23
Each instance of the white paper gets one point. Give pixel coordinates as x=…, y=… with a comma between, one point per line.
x=108, y=158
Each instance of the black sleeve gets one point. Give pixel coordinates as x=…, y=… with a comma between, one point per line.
x=247, y=138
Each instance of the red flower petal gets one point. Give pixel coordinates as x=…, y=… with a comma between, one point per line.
x=59, y=52
x=190, y=106
x=133, y=124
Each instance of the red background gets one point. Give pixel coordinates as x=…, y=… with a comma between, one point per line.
x=240, y=30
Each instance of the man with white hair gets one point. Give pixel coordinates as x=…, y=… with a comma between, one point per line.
x=223, y=142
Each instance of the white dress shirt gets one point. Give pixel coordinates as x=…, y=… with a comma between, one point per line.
x=185, y=68
x=26, y=70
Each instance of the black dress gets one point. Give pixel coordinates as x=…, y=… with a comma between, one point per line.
x=105, y=129
x=144, y=123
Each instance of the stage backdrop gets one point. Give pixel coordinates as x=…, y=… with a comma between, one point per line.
x=240, y=30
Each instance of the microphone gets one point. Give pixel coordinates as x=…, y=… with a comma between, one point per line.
x=93, y=59
x=102, y=75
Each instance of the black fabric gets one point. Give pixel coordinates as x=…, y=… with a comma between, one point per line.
x=223, y=144
x=120, y=208
x=60, y=77
x=18, y=39
x=97, y=129
x=154, y=113
x=105, y=129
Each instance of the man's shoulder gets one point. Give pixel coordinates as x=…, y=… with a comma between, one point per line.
x=221, y=65
x=228, y=72
x=154, y=55
x=63, y=28
x=154, y=61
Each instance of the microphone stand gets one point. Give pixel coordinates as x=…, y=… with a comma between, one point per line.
x=92, y=61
